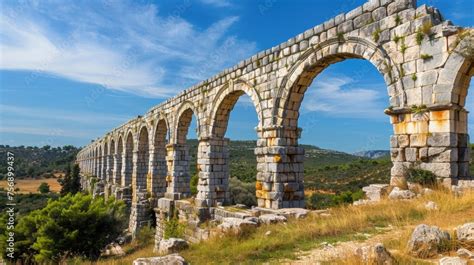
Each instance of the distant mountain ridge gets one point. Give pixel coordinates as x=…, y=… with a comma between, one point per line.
x=372, y=154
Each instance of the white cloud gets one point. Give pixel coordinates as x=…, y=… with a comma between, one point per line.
x=339, y=96
x=56, y=114
x=217, y=3
x=46, y=131
x=121, y=46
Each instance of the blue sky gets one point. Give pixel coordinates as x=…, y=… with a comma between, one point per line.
x=72, y=70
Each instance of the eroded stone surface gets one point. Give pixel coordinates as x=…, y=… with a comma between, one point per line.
x=271, y=218
x=172, y=245
x=465, y=233
x=236, y=225
x=173, y=259
x=426, y=241
x=376, y=254
x=452, y=261
x=399, y=194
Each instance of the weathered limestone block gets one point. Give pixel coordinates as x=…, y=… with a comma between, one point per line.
x=399, y=5
x=411, y=154
x=465, y=253
x=375, y=192
x=442, y=154
x=398, y=194
x=379, y=13
x=362, y=20
x=426, y=241
x=445, y=170
x=465, y=233
x=271, y=218
x=452, y=261
x=236, y=225
x=376, y=254
x=173, y=259
x=293, y=212
x=442, y=139
x=172, y=245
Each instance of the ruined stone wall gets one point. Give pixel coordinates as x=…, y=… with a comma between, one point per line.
x=419, y=54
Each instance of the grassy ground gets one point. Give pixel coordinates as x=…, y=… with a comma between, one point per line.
x=31, y=185
x=288, y=241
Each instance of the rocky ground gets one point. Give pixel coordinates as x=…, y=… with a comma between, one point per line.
x=451, y=243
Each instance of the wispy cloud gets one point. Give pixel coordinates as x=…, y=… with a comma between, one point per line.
x=217, y=3
x=57, y=114
x=341, y=96
x=45, y=131
x=120, y=45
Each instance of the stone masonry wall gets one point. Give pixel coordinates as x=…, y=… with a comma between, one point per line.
x=418, y=52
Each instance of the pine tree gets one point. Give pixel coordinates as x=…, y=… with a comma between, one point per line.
x=71, y=182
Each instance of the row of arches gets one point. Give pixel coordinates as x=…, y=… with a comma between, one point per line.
x=155, y=158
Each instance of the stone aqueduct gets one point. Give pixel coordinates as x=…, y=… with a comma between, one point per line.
x=426, y=63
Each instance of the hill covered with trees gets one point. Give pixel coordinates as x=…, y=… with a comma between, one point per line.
x=38, y=162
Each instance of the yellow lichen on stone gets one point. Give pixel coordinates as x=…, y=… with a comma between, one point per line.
x=277, y=158
x=258, y=185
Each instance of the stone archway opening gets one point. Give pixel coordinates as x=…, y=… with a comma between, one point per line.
x=463, y=83
x=118, y=159
x=235, y=118
x=141, y=181
x=99, y=163
x=159, y=168
x=127, y=161
x=283, y=176
x=111, y=163
x=345, y=101
x=182, y=155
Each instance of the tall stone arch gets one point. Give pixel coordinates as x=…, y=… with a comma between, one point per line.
x=141, y=161
x=127, y=162
x=213, y=151
x=159, y=167
x=178, y=157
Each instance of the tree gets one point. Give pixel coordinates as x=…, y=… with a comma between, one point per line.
x=71, y=183
x=73, y=225
x=43, y=188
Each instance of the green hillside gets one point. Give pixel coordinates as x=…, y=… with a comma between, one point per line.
x=324, y=169
x=37, y=162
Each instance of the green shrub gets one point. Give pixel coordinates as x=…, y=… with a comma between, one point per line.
x=73, y=225
x=320, y=201
x=173, y=228
x=145, y=236
x=43, y=188
x=420, y=176
x=194, y=183
x=242, y=193
x=323, y=201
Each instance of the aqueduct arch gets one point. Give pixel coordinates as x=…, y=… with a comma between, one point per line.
x=426, y=62
x=159, y=167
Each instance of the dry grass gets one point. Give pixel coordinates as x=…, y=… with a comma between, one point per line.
x=287, y=240
x=31, y=185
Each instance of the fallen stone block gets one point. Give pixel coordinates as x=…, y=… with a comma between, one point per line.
x=465, y=233
x=236, y=225
x=399, y=194
x=172, y=245
x=427, y=241
x=271, y=218
x=173, y=259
